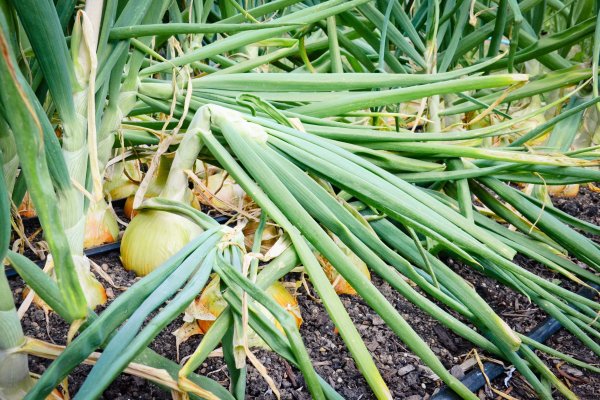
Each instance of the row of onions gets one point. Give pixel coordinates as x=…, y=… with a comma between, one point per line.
x=338, y=140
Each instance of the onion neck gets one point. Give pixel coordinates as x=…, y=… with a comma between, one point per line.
x=191, y=145
x=185, y=157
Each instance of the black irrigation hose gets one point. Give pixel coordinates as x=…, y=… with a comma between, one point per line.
x=475, y=380
x=98, y=250
x=94, y=251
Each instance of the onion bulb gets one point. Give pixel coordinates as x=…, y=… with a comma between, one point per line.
x=205, y=309
x=221, y=192
x=286, y=300
x=340, y=285
x=100, y=225
x=95, y=294
x=269, y=237
x=128, y=207
x=532, y=122
x=563, y=190
x=154, y=236
x=118, y=184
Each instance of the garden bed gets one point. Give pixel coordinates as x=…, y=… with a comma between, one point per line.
x=405, y=375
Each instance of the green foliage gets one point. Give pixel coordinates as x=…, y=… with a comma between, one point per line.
x=384, y=125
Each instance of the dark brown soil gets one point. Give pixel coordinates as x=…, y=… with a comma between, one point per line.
x=406, y=376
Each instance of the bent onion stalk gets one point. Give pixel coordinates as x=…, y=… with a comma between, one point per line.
x=156, y=185
x=154, y=235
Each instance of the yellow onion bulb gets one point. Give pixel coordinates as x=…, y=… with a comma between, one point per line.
x=100, y=226
x=269, y=237
x=532, y=122
x=221, y=192
x=206, y=308
x=94, y=292
x=128, y=208
x=154, y=236
x=118, y=184
x=567, y=191
x=286, y=300
x=340, y=285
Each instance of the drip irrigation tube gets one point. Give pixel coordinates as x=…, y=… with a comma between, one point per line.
x=475, y=380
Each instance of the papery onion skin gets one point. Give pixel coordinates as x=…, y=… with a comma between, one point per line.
x=270, y=236
x=286, y=300
x=221, y=192
x=154, y=236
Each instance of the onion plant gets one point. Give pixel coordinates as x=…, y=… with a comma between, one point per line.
x=394, y=133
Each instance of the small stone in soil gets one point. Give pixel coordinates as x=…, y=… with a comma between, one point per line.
x=457, y=372
x=373, y=346
x=427, y=372
x=412, y=378
x=406, y=369
x=572, y=371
